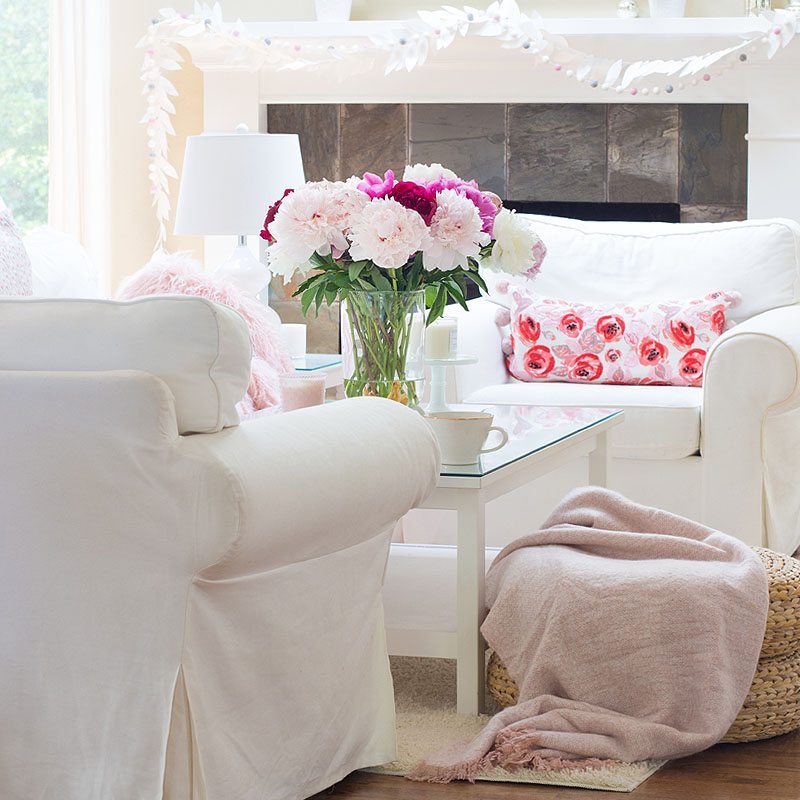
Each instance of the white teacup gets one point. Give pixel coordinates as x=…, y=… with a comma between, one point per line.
x=462, y=434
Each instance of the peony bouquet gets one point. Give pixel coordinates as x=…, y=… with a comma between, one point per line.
x=430, y=230
x=425, y=235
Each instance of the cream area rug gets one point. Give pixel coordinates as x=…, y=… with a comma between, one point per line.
x=425, y=696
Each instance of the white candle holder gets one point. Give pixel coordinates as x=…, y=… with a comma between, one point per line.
x=439, y=367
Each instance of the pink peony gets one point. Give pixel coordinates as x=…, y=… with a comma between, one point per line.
x=309, y=220
x=387, y=234
x=484, y=203
x=416, y=197
x=538, y=254
x=375, y=186
x=456, y=232
x=347, y=202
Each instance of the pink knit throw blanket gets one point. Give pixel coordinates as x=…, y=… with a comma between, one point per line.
x=632, y=634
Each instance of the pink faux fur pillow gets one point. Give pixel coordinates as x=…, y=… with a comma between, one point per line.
x=178, y=273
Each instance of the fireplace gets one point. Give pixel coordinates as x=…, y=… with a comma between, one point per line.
x=666, y=162
x=724, y=149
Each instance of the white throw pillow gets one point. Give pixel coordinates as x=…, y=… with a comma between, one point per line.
x=16, y=278
x=60, y=266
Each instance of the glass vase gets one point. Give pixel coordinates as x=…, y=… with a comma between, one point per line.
x=386, y=332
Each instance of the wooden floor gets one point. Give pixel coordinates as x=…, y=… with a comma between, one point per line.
x=768, y=770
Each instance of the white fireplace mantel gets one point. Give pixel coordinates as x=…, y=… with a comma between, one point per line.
x=479, y=70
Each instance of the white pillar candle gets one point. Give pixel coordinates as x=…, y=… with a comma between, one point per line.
x=441, y=339
x=294, y=337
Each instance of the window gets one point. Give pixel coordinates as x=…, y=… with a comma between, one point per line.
x=23, y=110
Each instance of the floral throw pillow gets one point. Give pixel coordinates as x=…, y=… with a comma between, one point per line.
x=16, y=277
x=660, y=343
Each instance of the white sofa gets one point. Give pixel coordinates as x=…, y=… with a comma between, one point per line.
x=191, y=607
x=727, y=453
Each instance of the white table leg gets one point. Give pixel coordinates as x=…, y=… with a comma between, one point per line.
x=599, y=460
x=471, y=601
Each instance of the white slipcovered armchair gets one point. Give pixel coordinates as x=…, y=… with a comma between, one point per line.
x=191, y=607
x=728, y=453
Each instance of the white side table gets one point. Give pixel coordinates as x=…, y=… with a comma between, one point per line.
x=552, y=437
x=439, y=366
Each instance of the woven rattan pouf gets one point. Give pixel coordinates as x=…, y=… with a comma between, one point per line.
x=772, y=706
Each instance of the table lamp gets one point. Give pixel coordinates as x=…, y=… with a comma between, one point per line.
x=229, y=180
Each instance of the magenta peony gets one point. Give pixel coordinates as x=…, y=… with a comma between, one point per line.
x=416, y=197
x=375, y=186
x=273, y=210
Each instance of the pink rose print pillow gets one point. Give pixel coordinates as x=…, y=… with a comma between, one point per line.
x=660, y=343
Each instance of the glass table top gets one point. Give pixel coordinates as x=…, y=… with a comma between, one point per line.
x=530, y=429
x=314, y=361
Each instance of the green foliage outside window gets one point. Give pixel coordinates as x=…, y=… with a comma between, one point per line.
x=23, y=110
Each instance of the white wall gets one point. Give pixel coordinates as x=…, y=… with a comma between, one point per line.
x=133, y=229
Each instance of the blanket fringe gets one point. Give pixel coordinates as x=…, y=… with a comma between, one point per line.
x=513, y=749
x=427, y=773
x=513, y=754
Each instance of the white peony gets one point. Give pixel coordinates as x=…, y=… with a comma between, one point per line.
x=387, y=234
x=456, y=232
x=517, y=249
x=427, y=173
x=313, y=218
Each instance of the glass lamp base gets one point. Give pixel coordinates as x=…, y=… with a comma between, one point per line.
x=244, y=270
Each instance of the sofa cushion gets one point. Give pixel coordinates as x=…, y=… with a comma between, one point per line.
x=639, y=262
x=661, y=422
x=200, y=349
x=658, y=343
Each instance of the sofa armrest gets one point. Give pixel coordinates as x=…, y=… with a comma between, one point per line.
x=311, y=482
x=752, y=375
x=479, y=335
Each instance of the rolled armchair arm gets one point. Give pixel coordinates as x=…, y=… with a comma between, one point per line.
x=752, y=376
x=311, y=482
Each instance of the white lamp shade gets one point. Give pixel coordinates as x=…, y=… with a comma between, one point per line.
x=229, y=181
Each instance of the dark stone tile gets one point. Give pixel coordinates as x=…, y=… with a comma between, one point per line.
x=713, y=213
x=643, y=153
x=713, y=155
x=374, y=138
x=557, y=152
x=468, y=138
x=318, y=127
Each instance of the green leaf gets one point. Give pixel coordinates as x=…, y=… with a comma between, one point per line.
x=355, y=269
x=456, y=294
x=430, y=295
x=437, y=309
x=478, y=280
x=307, y=300
x=331, y=293
x=309, y=283
x=382, y=283
x=413, y=279
x=319, y=294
